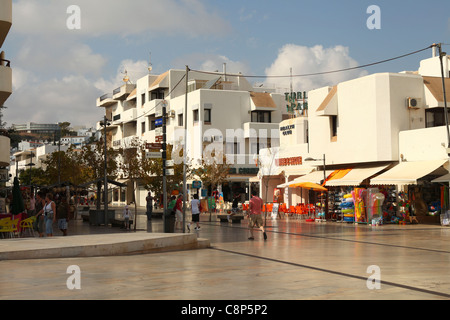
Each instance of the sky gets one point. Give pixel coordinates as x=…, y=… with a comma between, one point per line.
x=64, y=59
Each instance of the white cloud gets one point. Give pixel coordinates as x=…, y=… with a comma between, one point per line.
x=69, y=98
x=307, y=60
x=104, y=17
x=134, y=69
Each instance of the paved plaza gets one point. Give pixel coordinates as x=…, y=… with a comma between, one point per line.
x=299, y=261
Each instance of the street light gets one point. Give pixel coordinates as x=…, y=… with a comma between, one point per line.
x=324, y=173
x=105, y=124
x=324, y=179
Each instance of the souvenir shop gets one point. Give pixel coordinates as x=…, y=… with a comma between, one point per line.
x=388, y=204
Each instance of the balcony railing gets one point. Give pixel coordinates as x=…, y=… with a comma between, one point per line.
x=105, y=96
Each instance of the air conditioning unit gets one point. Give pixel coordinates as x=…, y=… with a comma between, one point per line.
x=171, y=114
x=413, y=103
x=207, y=139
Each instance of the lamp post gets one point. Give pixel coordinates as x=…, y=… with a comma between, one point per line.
x=105, y=124
x=325, y=206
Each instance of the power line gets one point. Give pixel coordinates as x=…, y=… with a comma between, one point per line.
x=324, y=72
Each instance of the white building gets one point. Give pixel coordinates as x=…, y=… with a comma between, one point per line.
x=384, y=129
x=22, y=160
x=78, y=141
x=222, y=109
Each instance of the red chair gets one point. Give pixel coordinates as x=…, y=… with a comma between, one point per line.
x=299, y=211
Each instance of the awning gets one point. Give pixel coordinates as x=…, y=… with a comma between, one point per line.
x=407, y=173
x=443, y=179
x=355, y=176
x=314, y=177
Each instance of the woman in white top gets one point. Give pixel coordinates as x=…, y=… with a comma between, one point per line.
x=49, y=214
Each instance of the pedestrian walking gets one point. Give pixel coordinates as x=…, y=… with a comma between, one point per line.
x=127, y=217
x=39, y=223
x=149, y=200
x=195, y=210
x=62, y=215
x=49, y=214
x=255, y=215
x=179, y=212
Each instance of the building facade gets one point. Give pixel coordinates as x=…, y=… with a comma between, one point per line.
x=384, y=130
x=223, y=112
x=31, y=127
x=5, y=74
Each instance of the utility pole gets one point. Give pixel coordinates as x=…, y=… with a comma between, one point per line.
x=441, y=56
x=106, y=175
x=185, y=151
x=164, y=159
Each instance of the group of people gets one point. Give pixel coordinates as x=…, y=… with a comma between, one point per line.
x=175, y=206
x=49, y=211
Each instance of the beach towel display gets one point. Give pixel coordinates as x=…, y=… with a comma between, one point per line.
x=359, y=198
x=348, y=208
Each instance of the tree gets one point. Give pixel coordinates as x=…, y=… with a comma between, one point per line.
x=33, y=176
x=92, y=157
x=154, y=168
x=212, y=171
x=63, y=166
x=65, y=128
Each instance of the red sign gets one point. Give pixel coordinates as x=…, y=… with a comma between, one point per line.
x=284, y=162
x=153, y=146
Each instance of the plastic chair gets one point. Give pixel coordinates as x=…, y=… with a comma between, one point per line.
x=299, y=211
x=5, y=225
x=27, y=224
x=291, y=210
x=9, y=226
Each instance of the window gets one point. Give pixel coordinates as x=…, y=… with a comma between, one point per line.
x=435, y=117
x=195, y=115
x=207, y=116
x=142, y=99
x=143, y=127
x=333, y=127
x=262, y=116
x=232, y=148
x=180, y=120
x=156, y=94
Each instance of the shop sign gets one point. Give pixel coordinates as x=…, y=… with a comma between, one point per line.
x=244, y=171
x=196, y=185
x=285, y=162
x=287, y=130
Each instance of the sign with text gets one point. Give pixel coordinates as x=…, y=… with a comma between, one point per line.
x=156, y=146
x=153, y=155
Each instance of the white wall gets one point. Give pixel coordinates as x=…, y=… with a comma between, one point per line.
x=372, y=111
